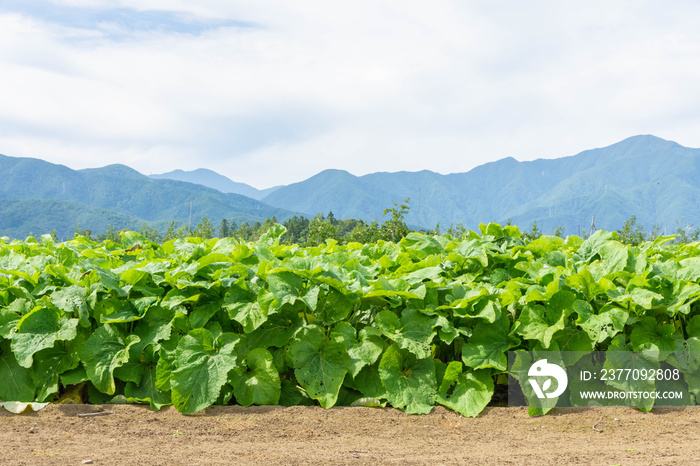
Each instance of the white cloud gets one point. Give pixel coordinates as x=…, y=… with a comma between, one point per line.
x=271, y=92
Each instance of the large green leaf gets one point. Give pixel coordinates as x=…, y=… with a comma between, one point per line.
x=607, y=323
x=649, y=335
x=320, y=364
x=244, y=308
x=50, y=363
x=629, y=361
x=363, y=351
x=154, y=327
x=333, y=306
x=414, y=331
x=102, y=353
x=39, y=330
x=286, y=286
x=488, y=345
x=260, y=385
x=10, y=316
x=202, y=365
x=16, y=381
x=541, y=322
x=410, y=382
x=73, y=301
x=467, y=393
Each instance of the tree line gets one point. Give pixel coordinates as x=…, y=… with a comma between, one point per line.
x=312, y=232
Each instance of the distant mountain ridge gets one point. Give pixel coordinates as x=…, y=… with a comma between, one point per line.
x=610, y=183
x=213, y=180
x=656, y=180
x=115, y=191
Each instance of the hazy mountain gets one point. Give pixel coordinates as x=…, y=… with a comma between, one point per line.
x=216, y=181
x=654, y=179
x=22, y=217
x=119, y=190
x=610, y=183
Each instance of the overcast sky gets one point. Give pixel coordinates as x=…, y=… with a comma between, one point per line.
x=272, y=92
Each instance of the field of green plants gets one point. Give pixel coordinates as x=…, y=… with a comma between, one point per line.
x=423, y=322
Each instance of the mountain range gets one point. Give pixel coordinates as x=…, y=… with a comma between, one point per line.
x=37, y=196
x=656, y=180
x=216, y=181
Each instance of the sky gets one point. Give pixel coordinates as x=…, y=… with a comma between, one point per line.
x=271, y=92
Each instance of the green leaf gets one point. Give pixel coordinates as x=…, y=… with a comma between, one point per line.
x=249, y=314
x=519, y=370
x=286, y=286
x=146, y=392
x=320, y=364
x=52, y=362
x=155, y=326
x=116, y=311
x=649, y=335
x=614, y=256
x=594, y=244
x=606, y=324
x=104, y=351
x=573, y=343
x=686, y=355
x=368, y=382
x=261, y=384
x=131, y=371
x=364, y=351
x=17, y=384
x=410, y=382
x=414, y=331
x=202, y=313
x=584, y=282
x=630, y=361
x=73, y=301
x=293, y=395
x=467, y=393
x=276, y=333
x=540, y=323
x=39, y=330
x=9, y=317
x=74, y=376
x=202, y=367
x=488, y=345
x=333, y=306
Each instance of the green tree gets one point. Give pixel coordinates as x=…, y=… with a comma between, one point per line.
x=456, y=231
x=632, y=232
x=366, y=233
x=534, y=232
x=297, y=230
x=224, y=231
x=396, y=228
x=435, y=231
x=321, y=229
x=205, y=229
x=684, y=233
x=82, y=232
x=150, y=233
x=173, y=232
x=244, y=232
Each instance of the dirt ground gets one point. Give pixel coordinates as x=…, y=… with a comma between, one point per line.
x=311, y=435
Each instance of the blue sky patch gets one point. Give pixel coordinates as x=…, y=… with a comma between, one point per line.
x=117, y=19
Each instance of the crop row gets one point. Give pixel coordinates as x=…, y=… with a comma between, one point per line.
x=423, y=322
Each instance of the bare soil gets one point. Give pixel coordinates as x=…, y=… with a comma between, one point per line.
x=311, y=435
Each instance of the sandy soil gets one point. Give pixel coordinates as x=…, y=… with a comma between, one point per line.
x=310, y=435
